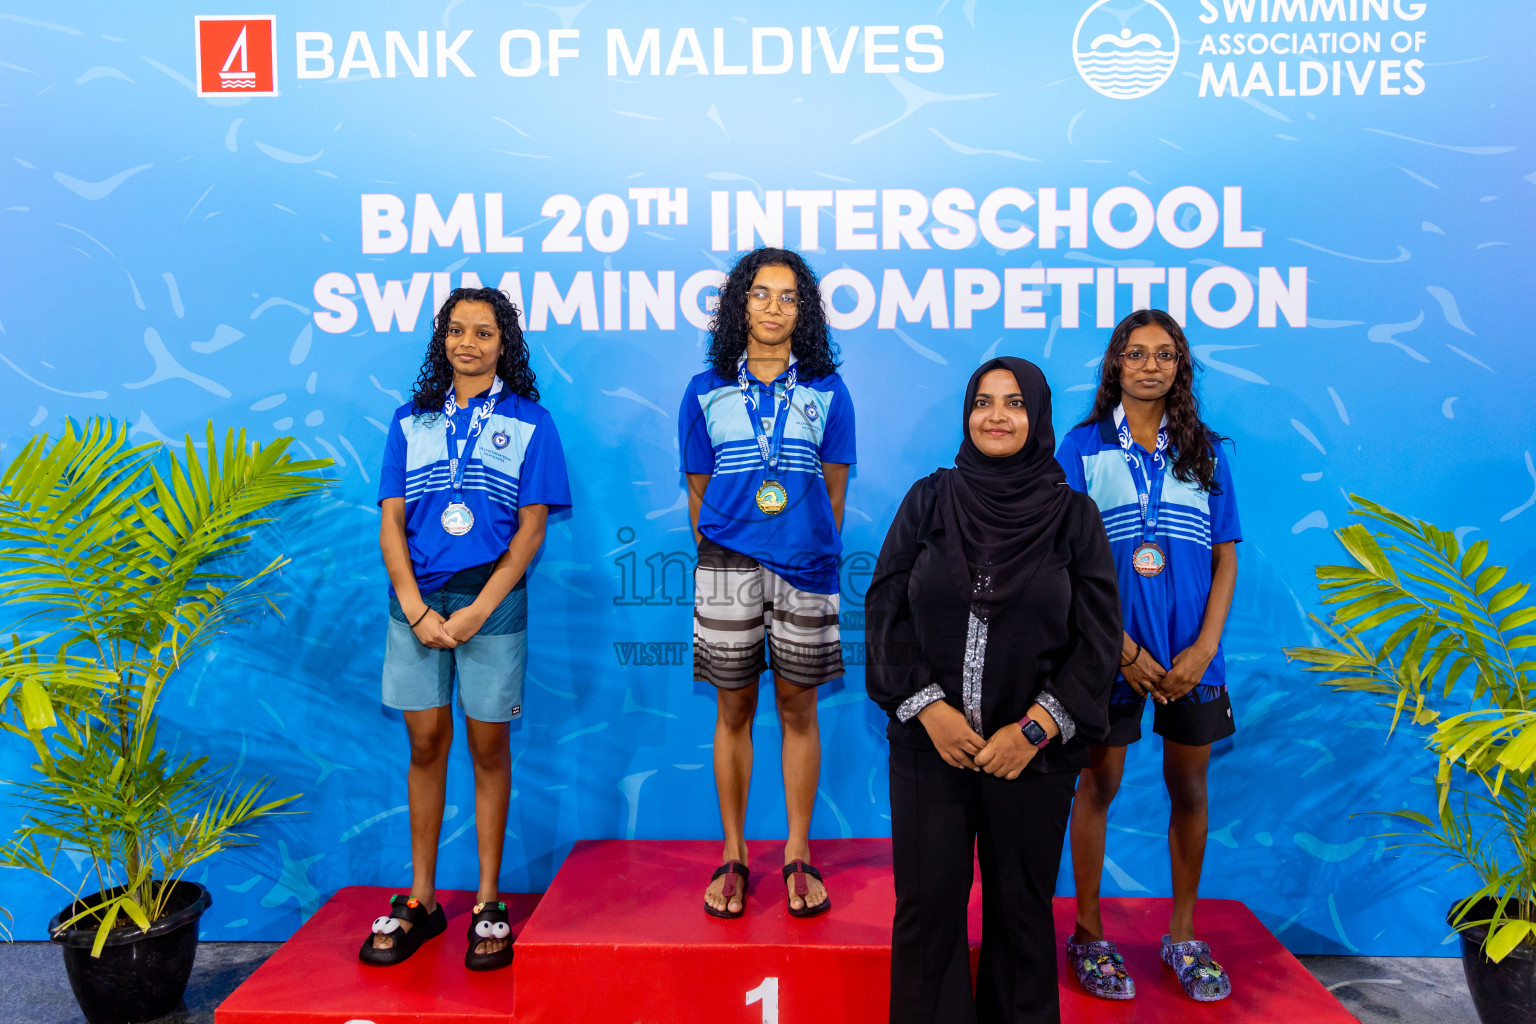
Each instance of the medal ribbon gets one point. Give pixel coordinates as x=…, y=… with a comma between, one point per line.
x=768, y=450
x=479, y=413
x=1148, y=481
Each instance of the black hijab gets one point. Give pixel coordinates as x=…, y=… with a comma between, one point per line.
x=1002, y=516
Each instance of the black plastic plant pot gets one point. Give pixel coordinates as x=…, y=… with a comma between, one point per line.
x=140, y=975
x=1503, y=992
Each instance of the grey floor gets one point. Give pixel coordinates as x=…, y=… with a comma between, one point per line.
x=34, y=990
x=1380, y=989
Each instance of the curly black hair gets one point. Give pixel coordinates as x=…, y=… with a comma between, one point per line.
x=811, y=343
x=512, y=367
x=1193, y=443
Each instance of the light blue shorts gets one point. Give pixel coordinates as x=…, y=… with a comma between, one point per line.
x=489, y=666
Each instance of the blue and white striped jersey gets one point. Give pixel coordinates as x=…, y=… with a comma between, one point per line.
x=801, y=544
x=1163, y=613
x=517, y=460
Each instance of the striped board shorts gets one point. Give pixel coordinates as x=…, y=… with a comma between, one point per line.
x=738, y=604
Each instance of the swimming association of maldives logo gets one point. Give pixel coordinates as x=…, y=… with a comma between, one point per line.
x=236, y=55
x=1125, y=52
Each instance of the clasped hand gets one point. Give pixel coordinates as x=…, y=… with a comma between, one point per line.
x=1150, y=679
x=1005, y=755
x=446, y=634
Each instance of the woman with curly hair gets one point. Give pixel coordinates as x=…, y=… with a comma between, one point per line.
x=1164, y=489
x=472, y=466
x=766, y=436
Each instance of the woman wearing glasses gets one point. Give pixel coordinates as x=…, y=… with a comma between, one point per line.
x=1164, y=488
x=766, y=439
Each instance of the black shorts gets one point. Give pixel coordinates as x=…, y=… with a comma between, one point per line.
x=1184, y=721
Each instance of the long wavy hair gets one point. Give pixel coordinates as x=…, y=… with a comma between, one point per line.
x=512, y=367
x=1193, y=443
x=811, y=341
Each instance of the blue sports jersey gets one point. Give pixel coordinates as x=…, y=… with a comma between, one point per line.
x=516, y=461
x=1163, y=613
x=801, y=544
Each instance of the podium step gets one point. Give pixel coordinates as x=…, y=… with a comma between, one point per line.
x=621, y=937
x=316, y=978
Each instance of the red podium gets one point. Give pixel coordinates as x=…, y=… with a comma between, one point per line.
x=316, y=977
x=621, y=937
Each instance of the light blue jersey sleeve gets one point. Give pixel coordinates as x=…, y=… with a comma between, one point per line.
x=1224, y=523
x=837, y=442
x=392, y=471
x=1071, y=460
x=542, y=478
x=694, y=448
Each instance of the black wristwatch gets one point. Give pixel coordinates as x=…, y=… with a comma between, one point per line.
x=1033, y=732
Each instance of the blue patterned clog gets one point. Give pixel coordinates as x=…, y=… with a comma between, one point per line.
x=1100, y=969
x=1203, y=979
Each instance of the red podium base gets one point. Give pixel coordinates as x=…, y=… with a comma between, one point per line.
x=621, y=937
x=316, y=977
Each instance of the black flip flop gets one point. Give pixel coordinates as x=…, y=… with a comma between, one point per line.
x=489, y=922
x=424, y=926
x=732, y=869
x=802, y=889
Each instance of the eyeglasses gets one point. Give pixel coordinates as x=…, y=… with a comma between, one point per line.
x=1135, y=357
x=761, y=298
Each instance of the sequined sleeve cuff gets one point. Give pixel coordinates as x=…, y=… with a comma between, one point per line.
x=919, y=700
x=1053, y=707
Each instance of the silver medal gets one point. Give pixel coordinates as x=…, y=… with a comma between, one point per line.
x=458, y=519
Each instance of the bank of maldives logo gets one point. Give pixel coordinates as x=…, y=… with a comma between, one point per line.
x=1125, y=52
x=235, y=55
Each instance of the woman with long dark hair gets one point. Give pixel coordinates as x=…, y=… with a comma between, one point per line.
x=472, y=466
x=1164, y=487
x=766, y=438
x=992, y=625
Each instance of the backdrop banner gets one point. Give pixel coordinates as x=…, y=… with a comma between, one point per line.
x=252, y=218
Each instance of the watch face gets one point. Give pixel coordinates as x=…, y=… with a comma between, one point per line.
x=1034, y=733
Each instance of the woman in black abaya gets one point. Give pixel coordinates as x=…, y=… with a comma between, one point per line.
x=993, y=624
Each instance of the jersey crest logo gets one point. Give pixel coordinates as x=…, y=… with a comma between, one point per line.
x=501, y=439
x=810, y=411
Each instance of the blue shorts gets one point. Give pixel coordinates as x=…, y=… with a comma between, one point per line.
x=489, y=665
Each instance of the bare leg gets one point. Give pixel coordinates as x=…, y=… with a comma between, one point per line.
x=734, y=710
x=431, y=734
x=1184, y=769
x=1096, y=789
x=801, y=758
x=488, y=748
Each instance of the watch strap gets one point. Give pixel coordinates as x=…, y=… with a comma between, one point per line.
x=1033, y=731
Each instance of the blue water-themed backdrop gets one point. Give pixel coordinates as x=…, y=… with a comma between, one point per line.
x=1357, y=301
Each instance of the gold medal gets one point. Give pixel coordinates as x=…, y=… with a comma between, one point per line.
x=772, y=498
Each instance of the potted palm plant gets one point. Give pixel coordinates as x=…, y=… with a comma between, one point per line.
x=1440, y=634
x=118, y=561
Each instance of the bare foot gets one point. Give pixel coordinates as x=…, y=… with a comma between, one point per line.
x=715, y=894
x=492, y=945
x=814, y=897
x=485, y=946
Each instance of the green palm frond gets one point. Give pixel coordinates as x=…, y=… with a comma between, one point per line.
x=1419, y=621
x=119, y=561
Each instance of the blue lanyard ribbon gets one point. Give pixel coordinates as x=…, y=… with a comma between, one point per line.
x=479, y=412
x=1148, y=479
x=769, y=450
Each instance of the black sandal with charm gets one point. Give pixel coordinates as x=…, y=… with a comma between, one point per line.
x=424, y=926
x=489, y=923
